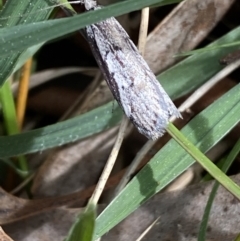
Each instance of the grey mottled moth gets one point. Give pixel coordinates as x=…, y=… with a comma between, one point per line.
x=129, y=78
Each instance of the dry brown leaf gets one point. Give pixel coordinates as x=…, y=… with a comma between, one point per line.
x=13, y=208
x=182, y=30
x=74, y=167
x=4, y=236
x=53, y=225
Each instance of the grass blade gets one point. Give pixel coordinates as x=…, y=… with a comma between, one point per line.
x=204, y=131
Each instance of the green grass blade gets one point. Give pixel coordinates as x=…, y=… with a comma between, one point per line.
x=183, y=75
x=11, y=16
x=17, y=170
x=202, y=50
x=8, y=108
x=64, y=132
x=10, y=118
x=24, y=57
x=83, y=228
x=18, y=38
x=204, y=131
x=167, y=3
x=237, y=238
x=228, y=162
x=204, y=161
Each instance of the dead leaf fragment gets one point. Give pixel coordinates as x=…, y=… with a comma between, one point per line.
x=182, y=30
x=53, y=225
x=4, y=236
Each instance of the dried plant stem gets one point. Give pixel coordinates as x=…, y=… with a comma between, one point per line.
x=23, y=92
x=147, y=230
x=23, y=184
x=142, y=39
x=110, y=163
x=208, y=85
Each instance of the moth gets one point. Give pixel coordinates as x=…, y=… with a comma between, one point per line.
x=129, y=77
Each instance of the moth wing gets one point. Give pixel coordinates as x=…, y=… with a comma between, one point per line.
x=130, y=79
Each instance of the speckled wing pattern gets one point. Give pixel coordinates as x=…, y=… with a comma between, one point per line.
x=130, y=79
